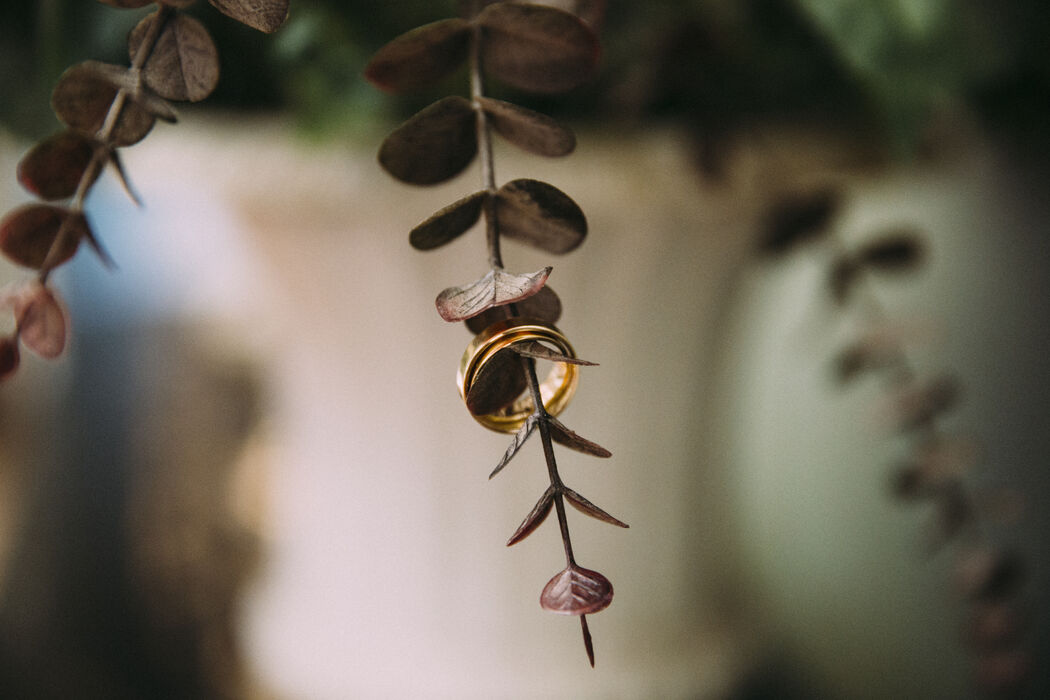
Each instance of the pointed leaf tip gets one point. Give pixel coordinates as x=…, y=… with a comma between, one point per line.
x=535, y=518
x=523, y=434
x=586, y=507
x=576, y=591
x=563, y=436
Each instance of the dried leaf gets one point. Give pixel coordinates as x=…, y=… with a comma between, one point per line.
x=53, y=168
x=934, y=466
x=122, y=175
x=495, y=288
x=8, y=357
x=434, y=145
x=576, y=591
x=420, y=57
x=537, y=48
x=921, y=403
x=538, y=351
x=988, y=574
x=896, y=251
x=535, y=518
x=449, y=223
x=796, y=219
x=41, y=322
x=519, y=439
x=534, y=132
x=83, y=96
x=588, y=508
x=544, y=305
x=28, y=232
x=563, y=436
x=498, y=385
x=264, y=15
x=184, y=63
x=541, y=215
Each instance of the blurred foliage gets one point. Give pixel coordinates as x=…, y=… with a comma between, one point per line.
x=716, y=64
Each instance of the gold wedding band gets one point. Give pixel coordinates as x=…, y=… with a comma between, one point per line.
x=556, y=390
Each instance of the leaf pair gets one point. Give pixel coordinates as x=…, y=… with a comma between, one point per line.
x=559, y=433
x=441, y=140
x=529, y=211
x=530, y=47
x=55, y=168
x=40, y=321
x=28, y=234
x=543, y=506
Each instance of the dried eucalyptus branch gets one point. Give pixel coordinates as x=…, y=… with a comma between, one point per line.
x=534, y=48
x=989, y=577
x=104, y=107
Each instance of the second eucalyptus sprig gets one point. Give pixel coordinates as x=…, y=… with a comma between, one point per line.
x=535, y=48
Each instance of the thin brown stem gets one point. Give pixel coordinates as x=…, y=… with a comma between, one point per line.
x=105, y=133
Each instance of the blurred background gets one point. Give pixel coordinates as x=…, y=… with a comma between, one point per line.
x=250, y=476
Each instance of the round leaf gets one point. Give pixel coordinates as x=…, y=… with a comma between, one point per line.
x=434, y=145
x=53, y=168
x=537, y=48
x=543, y=305
x=184, y=63
x=576, y=591
x=541, y=215
x=41, y=322
x=28, y=232
x=82, y=99
x=420, y=57
x=264, y=15
x=449, y=223
x=534, y=132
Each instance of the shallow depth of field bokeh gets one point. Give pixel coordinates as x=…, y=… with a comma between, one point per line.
x=251, y=472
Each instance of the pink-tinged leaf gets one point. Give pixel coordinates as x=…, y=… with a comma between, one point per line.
x=448, y=224
x=576, y=591
x=531, y=131
x=541, y=215
x=538, y=351
x=434, y=145
x=988, y=574
x=496, y=288
x=536, y=48
x=184, y=63
x=8, y=357
x=82, y=99
x=519, y=439
x=54, y=167
x=563, y=436
x=586, y=507
x=588, y=643
x=41, y=322
x=535, y=517
x=544, y=305
x=420, y=57
x=28, y=233
x=918, y=405
x=264, y=15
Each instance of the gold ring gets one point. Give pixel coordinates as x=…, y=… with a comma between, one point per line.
x=556, y=390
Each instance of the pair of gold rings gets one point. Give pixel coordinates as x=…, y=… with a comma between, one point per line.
x=556, y=390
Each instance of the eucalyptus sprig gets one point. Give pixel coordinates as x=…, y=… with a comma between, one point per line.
x=988, y=576
x=534, y=48
x=104, y=107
